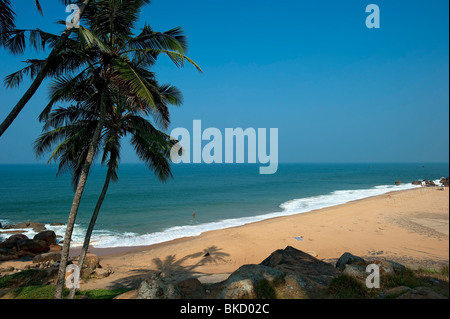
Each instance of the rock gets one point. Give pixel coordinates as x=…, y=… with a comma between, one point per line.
x=57, y=224
x=191, y=289
x=35, y=246
x=357, y=270
x=11, y=242
x=389, y=267
x=55, y=247
x=47, y=257
x=309, y=269
x=242, y=289
x=91, y=261
x=445, y=181
x=7, y=269
x=48, y=235
x=348, y=259
x=417, y=183
x=5, y=251
x=241, y=283
x=101, y=273
x=398, y=182
x=19, y=231
x=156, y=287
x=394, y=292
x=37, y=227
x=421, y=293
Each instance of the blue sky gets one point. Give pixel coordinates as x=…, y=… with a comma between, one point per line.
x=336, y=90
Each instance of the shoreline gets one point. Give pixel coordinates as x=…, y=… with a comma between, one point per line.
x=412, y=231
x=408, y=226
x=110, y=251
x=101, y=251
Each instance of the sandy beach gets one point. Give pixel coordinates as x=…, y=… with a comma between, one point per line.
x=411, y=227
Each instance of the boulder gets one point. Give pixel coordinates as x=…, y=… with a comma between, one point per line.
x=37, y=227
x=48, y=235
x=91, y=261
x=398, y=182
x=11, y=242
x=307, y=268
x=445, y=181
x=349, y=259
x=47, y=257
x=156, y=287
x=417, y=183
x=389, y=267
x=101, y=273
x=191, y=289
x=356, y=270
x=7, y=254
x=241, y=283
x=35, y=246
x=55, y=247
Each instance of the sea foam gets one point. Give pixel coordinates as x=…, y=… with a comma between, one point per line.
x=108, y=239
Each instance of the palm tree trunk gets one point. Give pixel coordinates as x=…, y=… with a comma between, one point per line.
x=39, y=77
x=91, y=225
x=75, y=205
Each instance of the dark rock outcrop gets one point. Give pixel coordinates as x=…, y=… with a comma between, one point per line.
x=34, y=246
x=37, y=227
x=242, y=283
x=297, y=262
x=349, y=259
x=47, y=235
x=156, y=287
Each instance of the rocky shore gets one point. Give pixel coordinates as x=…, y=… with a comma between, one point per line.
x=287, y=273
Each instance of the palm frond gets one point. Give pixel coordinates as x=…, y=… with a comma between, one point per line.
x=7, y=20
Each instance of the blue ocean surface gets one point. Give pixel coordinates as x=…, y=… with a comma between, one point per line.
x=140, y=210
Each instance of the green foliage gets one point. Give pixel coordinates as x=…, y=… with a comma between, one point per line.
x=24, y=278
x=48, y=291
x=347, y=287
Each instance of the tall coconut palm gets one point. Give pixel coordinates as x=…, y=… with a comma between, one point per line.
x=42, y=72
x=69, y=131
x=118, y=61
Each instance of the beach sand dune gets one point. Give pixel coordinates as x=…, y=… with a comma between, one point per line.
x=410, y=227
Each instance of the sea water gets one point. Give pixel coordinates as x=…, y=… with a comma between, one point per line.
x=141, y=210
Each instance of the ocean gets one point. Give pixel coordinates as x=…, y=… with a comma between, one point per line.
x=140, y=210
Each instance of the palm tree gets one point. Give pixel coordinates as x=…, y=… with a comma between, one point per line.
x=7, y=19
x=74, y=126
x=116, y=61
x=7, y=16
x=7, y=28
